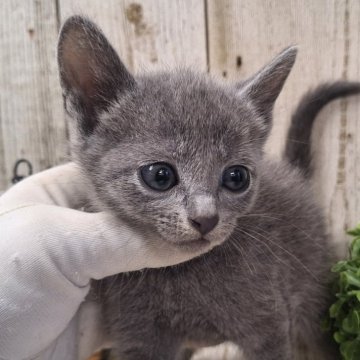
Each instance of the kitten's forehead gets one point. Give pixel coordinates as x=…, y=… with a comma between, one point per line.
x=194, y=111
x=186, y=117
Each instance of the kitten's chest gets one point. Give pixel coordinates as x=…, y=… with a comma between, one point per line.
x=204, y=295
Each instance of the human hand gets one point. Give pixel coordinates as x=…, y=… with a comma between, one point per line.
x=49, y=251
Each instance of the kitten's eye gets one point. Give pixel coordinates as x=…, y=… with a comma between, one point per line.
x=236, y=178
x=159, y=176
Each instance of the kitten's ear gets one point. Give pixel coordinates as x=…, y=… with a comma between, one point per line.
x=91, y=72
x=264, y=87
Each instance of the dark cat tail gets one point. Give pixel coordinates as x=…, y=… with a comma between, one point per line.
x=298, y=144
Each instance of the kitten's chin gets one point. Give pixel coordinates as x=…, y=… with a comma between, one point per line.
x=199, y=245
x=196, y=245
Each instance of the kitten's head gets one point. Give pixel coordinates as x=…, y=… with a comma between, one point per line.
x=175, y=153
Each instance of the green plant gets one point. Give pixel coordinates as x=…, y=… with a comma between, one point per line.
x=344, y=314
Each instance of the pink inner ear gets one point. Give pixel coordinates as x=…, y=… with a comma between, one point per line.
x=77, y=65
x=90, y=69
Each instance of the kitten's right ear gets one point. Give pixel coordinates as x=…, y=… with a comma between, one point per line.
x=263, y=88
x=91, y=73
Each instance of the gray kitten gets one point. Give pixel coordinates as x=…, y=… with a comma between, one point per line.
x=180, y=155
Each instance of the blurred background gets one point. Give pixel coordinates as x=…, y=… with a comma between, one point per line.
x=228, y=38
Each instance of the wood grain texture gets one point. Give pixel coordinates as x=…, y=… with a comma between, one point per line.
x=149, y=34
x=245, y=34
x=31, y=116
x=3, y=182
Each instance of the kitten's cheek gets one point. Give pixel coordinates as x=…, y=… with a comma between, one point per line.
x=223, y=231
x=219, y=236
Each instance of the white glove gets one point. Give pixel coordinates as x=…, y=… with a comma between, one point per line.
x=49, y=252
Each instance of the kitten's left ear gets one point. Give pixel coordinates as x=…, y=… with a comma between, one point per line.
x=91, y=73
x=264, y=87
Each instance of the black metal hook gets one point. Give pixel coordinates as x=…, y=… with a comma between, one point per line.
x=18, y=177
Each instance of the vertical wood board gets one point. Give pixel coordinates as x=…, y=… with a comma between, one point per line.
x=245, y=34
x=31, y=116
x=149, y=34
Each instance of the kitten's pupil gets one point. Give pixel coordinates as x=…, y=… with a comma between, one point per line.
x=159, y=176
x=162, y=176
x=236, y=178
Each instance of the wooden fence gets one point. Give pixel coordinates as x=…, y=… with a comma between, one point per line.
x=230, y=38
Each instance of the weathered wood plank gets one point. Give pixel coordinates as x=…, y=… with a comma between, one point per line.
x=3, y=182
x=149, y=34
x=245, y=34
x=31, y=116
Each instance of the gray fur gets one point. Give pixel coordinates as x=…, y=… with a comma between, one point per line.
x=264, y=287
x=298, y=149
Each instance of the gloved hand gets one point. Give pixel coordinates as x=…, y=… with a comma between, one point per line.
x=49, y=252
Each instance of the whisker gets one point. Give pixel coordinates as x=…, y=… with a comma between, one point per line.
x=288, y=253
x=238, y=247
x=268, y=216
x=267, y=246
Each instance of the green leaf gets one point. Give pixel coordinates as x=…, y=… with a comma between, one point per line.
x=355, y=249
x=351, y=323
x=336, y=307
x=340, y=266
x=347, y=279
x=344, y=314
x=350, y=350
x=340, y=337
x=355, y=231
x=354, y=293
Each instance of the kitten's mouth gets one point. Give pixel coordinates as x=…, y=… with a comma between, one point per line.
x=194, y=245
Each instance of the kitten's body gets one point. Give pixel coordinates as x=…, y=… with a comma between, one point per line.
x=257, y=289
x=264, y=286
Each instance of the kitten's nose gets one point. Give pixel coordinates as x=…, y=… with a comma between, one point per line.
x=204, y=224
